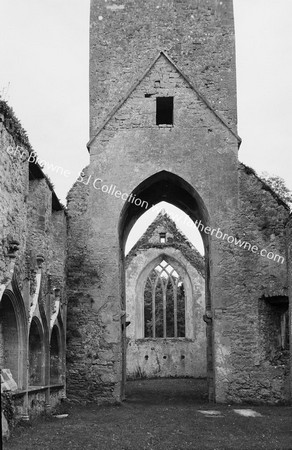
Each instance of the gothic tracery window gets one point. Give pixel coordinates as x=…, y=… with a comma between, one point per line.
x=164, y=303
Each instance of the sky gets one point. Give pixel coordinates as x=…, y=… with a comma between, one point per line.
x=44, y=76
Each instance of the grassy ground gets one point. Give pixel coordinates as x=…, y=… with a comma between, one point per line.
x=160, y=415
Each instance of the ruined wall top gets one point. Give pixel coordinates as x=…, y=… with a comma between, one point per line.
x=19, y=149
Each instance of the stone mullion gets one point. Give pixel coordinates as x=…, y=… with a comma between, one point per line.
x=175, y=307
x=164, y=287
x=153, y=308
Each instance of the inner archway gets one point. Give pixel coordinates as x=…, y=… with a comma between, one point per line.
x=167, y=187
x=9, y=331
x=181, y=219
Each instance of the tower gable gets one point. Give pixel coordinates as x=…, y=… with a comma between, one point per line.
x=197, y=34
x=163, y=80
x=163, y=233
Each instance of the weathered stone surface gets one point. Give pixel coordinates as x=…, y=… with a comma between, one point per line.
x=32, y=270
x=174, y=239
x=261, y=221
x=141, y=51
x=173, y=357
x=192, y=164
x=197, y=35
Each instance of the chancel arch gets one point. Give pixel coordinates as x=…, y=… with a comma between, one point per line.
x=166, y=186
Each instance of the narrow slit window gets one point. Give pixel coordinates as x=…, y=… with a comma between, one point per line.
x=164, y=110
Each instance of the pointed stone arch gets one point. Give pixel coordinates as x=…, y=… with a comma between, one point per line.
x=14, y=334
x=169, y=187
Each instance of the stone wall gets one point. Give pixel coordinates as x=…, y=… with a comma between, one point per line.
x=191, y=163
x=174, y=239
x=289, y=259
x=32, y=266
x=14, y=190
x=165, y=357
x=125, y=153
x=168, y=357
x=246, y=316
x=92, y=360
x=126, y=36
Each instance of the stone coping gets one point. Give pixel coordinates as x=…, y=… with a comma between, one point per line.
x=37, y=388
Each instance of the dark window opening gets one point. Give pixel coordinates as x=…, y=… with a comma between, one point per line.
x=162, y=238
x=164, y=110
x=274, y=329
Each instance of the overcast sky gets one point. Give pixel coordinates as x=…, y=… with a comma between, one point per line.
x=44, y=77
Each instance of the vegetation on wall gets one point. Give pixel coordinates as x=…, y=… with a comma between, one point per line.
x=279, y=186
x=13, y=125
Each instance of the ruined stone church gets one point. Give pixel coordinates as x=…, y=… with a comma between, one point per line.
x=76, y=315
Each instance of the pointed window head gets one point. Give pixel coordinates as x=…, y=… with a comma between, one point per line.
x=164, y=110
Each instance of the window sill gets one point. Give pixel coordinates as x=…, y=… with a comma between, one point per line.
x=172, y=339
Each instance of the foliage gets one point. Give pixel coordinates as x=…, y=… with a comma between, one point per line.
x=279, y=187
x=15, y=127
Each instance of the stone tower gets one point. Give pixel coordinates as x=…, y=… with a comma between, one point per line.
x=163, y=127
x=125, y=38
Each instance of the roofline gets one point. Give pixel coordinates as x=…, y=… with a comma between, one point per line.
x=249, y=170
x=129, y=92
x=157, y=219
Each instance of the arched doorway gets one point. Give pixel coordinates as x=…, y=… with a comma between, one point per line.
x=166, y=186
